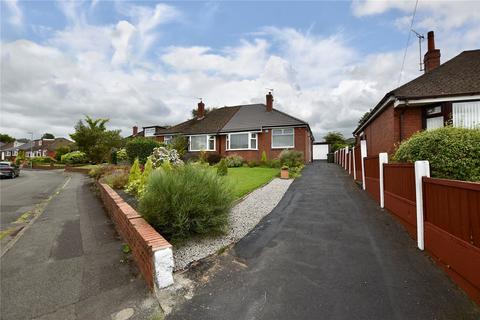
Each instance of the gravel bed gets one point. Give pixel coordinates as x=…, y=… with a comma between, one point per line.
x=243, y=217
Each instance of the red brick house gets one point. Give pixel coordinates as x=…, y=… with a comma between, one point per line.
x=245, y=130
x=446, y=93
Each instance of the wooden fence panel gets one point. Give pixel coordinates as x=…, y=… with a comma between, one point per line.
x=452, y=229
x=372, y=180
x=358, y=163
x=399, y=182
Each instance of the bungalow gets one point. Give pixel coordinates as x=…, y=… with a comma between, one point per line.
x=36, y=148
x=245, y=130
x=445, y=94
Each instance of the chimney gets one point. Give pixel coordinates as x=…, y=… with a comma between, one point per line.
x=269, y=101
x=431, y=59
x=201, y=110
x=135, y=130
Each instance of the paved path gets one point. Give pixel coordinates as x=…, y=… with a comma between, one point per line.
x=326, y=252
x=69, y=265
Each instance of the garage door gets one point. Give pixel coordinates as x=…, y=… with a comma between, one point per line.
x=320, y=151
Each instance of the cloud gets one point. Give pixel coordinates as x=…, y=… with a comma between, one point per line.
x=16, y=15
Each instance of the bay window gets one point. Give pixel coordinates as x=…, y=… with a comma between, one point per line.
x=283, y=138
x=466, y=114
x=242, y=141
x=203, y=142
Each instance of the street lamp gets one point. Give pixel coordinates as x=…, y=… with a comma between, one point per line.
x=31, y=150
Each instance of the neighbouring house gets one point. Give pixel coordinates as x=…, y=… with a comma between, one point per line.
x=151, y=131
x=446, y=93
x=245, y=130
x=35, y=148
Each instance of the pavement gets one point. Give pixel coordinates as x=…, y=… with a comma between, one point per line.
x=325, y=252
x=68, y=263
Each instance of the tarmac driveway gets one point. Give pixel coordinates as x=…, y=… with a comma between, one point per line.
x=326, y=252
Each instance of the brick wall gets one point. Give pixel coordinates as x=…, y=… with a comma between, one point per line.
x=411, y=123
x=140, y=236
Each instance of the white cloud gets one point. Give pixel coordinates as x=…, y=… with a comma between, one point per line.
x=121, y=41
x=16, y=15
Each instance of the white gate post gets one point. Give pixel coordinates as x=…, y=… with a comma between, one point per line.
x=422, y=169
x=382, y=158
x=363, y=154
x=346, y=158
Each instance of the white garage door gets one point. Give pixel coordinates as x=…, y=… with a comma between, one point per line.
x=320, y=151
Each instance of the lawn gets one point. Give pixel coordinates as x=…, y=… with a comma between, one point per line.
x=247, y=179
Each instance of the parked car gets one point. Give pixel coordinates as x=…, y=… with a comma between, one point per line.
x=9, y=169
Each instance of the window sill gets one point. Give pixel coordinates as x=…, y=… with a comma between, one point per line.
x=247, y=149
x=289, y=147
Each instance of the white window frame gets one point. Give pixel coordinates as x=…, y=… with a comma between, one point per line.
x=283, y=147
x=167, y=141
x=250, y=138
x=208, y=144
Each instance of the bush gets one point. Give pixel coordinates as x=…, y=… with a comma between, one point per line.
x=263, y=159
x=453, y=153
x=162, y=154
x=116, y=179
x=190, y=157
x=213, y=158
x=134, y=178
x=253, y=163
x=275, y=163
x=75, y=157
x=222, y=169
x=61, y=151
x=179, y=143
x=100, y=171
x=291, y=158
x=42, y=160
x=140, y=148
x=295, y=171
x=145, y=175
x=122, y=155
x=186, y=201
x=234, y=161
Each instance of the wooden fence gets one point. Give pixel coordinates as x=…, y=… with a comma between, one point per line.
x=372, y=180
x=358, y=163
x=452, y=229
x=399, y=183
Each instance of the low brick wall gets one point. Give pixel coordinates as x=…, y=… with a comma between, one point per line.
x=151, y=252
x=77, y=169
x=36, y=167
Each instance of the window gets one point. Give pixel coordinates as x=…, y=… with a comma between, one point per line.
x=167, y=139
x=466, y=114
x=149, y=132
x=434, y=117
x=242, y=141
x=433, y=110
x=434, y=123
x=202, y=142
x=282, y=138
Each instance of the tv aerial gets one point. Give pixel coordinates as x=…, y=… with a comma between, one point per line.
x=420, y=39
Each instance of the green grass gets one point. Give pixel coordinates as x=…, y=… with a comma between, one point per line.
x=247, y=179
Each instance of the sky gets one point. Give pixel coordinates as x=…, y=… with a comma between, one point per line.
x=147, y=63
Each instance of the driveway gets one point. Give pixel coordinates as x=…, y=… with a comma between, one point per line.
x=68, y=264
x=325, y=252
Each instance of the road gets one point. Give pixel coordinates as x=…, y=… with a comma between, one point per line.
x=22, y=194
x=68, y=263
x=325, y=252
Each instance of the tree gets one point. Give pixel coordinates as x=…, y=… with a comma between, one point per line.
x=93, y=138
x=48, y=136
x=336, y=140
x=364, y=117
x=207, y=111
x=5, y=138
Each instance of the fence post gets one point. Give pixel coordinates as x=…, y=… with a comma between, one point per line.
x=346, y=158
x=422, y=169
x=349, y=161
x=363, y=154
x=382, y=158
x=354, y=165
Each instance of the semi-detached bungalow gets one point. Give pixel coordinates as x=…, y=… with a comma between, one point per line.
x=444, y=94
x=245, y=130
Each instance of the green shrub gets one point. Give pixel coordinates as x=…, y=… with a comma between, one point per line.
x=253, y=163
x=116, y=179
x=147, y=170
x=162, y=154
x=263, y=159
x=75, y=157
x=190, y=157
x=140, y=148
x=274, y=163
x=186, y=201
x=453, y=153
x=61, y=151
x=202, y=156
x=291, y=158
x=294, y=172
x=122, y=155
x=42, y=160
x=179, y=143
x=234, y=161
x=134, y=178
x=99, y=171
x=222, y=169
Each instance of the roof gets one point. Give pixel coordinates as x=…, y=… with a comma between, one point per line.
x=57, y=143
x=256, y=117
x=458, y=76
x=213, y=122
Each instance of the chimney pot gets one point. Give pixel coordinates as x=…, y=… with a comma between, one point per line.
x=135, y=130
x=269, y=101
x=431, y=59
x=201, y=110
